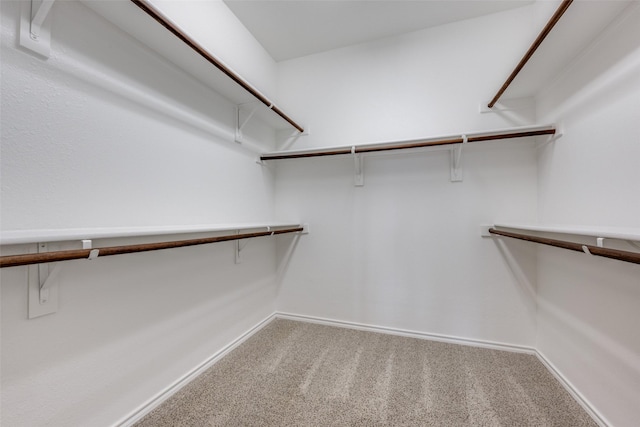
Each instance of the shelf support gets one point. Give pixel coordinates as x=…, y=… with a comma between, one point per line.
x=239, y=247
x=456, y=161
x=553, y=138
x=38, y=14
x=35, y=35
x=43, y=286
x=240, y=124
x=358, y=163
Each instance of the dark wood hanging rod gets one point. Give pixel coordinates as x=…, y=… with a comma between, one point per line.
x=407, y=145
x=39, y=258
x=149, y=10
x=527, y=56
x=633, y=257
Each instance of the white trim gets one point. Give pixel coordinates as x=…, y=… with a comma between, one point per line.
x=620, y=233
x=12, y=237
x=408, y=333
x=597, y=417
x=144, y=409
x=165, y=394
x=408, y=141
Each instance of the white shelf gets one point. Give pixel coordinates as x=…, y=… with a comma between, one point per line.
x=13, y=237
x=132, y=20
x=579, y=27
x=621, y=233
x=518, y=129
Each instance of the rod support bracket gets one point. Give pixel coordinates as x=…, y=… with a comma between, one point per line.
x=484, y=230
x=35, y=32
x=241, y=123
x=559, y=128
x=456, y=160
x=358, y=164
x=43, y=286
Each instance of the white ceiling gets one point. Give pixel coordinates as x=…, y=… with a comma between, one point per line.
x=292, y=28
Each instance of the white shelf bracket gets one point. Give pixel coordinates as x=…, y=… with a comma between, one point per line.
x=293, y=138
x=240, y=124
x=553, y=138
x=35, y=33
x=43, y=287
x=484, y=230
x=358, y=163
x=238, y=249
x=305, y=228
x=456, y=161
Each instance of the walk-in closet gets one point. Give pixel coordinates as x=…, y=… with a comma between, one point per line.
x=320, y=213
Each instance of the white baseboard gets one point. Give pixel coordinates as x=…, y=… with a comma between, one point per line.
x=408, y=333
x=165, y=394
x=582, y=401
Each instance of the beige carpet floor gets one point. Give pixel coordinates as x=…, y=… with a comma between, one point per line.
x=301, y=374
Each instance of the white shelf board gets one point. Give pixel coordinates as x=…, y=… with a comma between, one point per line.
x=578, y=28
x=132, y=20
x=408, y=141
x=13, y=237
x=621, y=233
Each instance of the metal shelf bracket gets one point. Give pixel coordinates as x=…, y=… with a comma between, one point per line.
x=553, y=138
x=35, y=33
x=43, y=286
x=456, y=160
x=358, y=163
x=240, y=124
x=239, y=247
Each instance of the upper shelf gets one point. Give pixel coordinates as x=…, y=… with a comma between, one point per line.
x=510, y=133
x=151, y=27
x=578, y=28
x=13, y=237
x=606, y=232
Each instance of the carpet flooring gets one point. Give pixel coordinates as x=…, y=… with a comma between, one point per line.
x=301, y=374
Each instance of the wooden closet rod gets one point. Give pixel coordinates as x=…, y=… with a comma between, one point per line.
x=403, y=146
x=633, y=257
x=538, y=41
x=147, y=8
x=27, y=259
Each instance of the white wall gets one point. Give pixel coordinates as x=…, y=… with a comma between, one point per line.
x=106, y=133
x=425, y=83
x=212, y=24
x=404, y=251
x=589, y=308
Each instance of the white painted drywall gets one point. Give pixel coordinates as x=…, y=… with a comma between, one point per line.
x=425, y=83
x=105, y=133
x=218, y=30
x=404, y=251
x=589, y=308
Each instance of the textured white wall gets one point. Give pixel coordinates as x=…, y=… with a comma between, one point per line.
x=405, y=251
x=215, y=27
x=425, y=83
x=106, y=133
x=589, y=308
